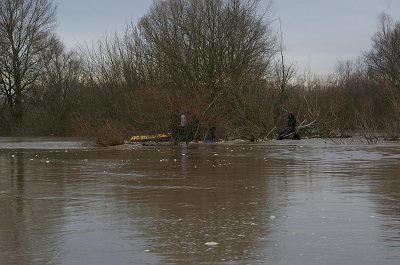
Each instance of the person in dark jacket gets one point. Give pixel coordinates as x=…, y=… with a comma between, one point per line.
x=290, y=127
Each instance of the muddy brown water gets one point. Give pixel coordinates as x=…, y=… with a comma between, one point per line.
x=277, y=202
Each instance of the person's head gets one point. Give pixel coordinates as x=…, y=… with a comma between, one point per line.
x=291, y=116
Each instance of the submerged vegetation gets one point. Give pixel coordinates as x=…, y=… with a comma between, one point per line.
x=182, y=57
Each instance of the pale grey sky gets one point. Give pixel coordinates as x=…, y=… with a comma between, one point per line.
x=316, y=33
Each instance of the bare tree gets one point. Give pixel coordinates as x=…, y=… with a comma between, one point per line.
x=194, y=43
x=55, y=93
x=384, y=58
x=210, y=48
x=26, y=28
x=284, y=73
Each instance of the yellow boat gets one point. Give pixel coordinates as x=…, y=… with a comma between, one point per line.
x=154, y=137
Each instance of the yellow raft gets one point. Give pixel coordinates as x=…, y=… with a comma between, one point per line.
x=154, y=137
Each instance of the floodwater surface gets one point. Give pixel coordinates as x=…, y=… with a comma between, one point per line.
x=277, y=202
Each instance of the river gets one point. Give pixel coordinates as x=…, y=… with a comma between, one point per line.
x=278, y=202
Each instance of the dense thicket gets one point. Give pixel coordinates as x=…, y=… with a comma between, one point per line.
x=182, y=57
x=220, y=62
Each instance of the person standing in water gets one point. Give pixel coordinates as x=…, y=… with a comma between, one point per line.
x=183, y=127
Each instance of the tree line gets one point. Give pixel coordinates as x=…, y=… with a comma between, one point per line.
x=219, y=61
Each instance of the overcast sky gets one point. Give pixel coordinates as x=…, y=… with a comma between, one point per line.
x=316, y=33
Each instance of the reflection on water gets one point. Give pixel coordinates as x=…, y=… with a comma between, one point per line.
x=278, y=202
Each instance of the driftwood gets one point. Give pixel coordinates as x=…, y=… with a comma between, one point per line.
x=301, y=126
